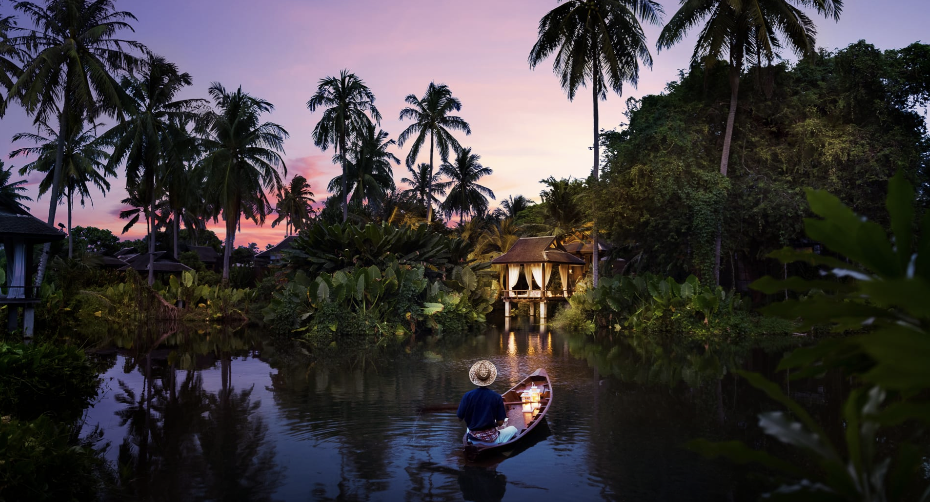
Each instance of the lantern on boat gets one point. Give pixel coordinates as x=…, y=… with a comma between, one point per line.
x=527, y=401
x=534, y=397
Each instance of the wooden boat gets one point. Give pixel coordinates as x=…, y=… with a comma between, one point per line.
x=525, y=422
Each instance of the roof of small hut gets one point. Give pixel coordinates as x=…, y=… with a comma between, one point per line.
x=163, y=263
x=17, y=223
x=536, y=250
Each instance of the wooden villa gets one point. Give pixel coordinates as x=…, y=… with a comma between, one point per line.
x=20, y=232
x=534, y=271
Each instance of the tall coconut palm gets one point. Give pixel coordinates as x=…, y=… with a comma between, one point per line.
x=598, y=43
x=466, y=196
x=11, y=193
x=9, y=54
x=150, y=140
x=73, y=58
x=753, y=29
x=431, y=116
x=183, y=184
x=369, y=172
x=295, y=205
x=424, y=187
x=242, y=160
x=83, y=164
x=346, y=100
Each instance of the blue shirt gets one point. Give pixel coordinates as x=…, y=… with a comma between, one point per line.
x=481, y=408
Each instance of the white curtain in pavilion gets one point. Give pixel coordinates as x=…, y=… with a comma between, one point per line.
x=18, y=276
x=528, y=272
x=513, y=275
x=563, y=275
x=538, y=275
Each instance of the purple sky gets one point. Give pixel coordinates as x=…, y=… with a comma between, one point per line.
x=523, y=126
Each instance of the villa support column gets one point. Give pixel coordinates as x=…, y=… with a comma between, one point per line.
x=29, y=321
x=506, y=308
x=12, y=322
x=542, y=309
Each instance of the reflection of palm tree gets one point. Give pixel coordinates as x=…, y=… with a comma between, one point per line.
x=186, y=443
x=233, y=439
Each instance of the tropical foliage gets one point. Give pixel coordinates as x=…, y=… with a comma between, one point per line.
x=877, y=286
x=842, y=122
x=330, y=248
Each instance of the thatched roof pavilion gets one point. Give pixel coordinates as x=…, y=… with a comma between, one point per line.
x=20, y=232
x=538, y=259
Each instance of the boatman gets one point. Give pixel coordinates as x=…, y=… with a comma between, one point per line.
x=482, y=409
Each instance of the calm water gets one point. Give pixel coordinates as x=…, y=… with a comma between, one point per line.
x=205, y=417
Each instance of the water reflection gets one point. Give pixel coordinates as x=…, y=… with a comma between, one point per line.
x=224, y=414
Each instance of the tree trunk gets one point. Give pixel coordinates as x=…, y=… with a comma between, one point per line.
x=725, y=158
x=152, y=228
x=70, y=212
x=345, y=181
x=177, y=230
x=232, y=217
x=56, y=184
x=595, y=256
x=429, y=183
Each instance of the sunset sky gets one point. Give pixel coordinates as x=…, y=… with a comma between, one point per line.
x=523, y=126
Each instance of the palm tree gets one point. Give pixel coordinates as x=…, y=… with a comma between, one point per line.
x=466, y=196
x=70, y=69
x=368, y=167
x=424, y=187
x=9, y=70
x=754, y=29
x=499, y=237
x=295, y=205
x=563, y=214
x=346, y=99
x=151, y=141
x=242, y=159
x=512, y=206
x=11, y=195
x=83, y=164
x=431, y=115
x=596, y=42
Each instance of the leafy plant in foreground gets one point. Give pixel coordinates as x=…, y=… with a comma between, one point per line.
x=883, y=288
